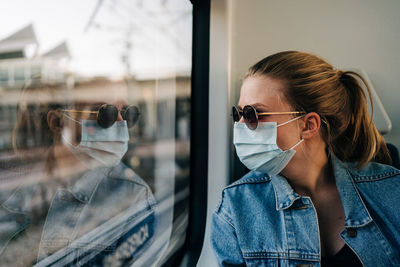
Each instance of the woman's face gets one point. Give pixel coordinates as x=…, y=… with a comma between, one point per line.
x=92, y=102
x=265, y=94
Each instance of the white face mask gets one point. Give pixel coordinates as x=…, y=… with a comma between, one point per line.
x=106, y=145
x=257, y=149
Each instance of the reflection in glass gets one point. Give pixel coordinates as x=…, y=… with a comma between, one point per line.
x=72, y=191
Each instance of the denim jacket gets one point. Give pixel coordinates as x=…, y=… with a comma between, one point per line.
x=261, y=221
x=108, y=217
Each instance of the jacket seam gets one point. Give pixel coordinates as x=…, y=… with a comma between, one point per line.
x=222, y=217
x=239, y=182
x=219, y=205
x=361, y=199
x=249, y=181
x=285, y=229
x=372, y=178
x=381, y=175
x=280, y=255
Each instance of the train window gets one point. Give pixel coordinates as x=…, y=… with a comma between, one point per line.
x=95, y=113
x=3, y=75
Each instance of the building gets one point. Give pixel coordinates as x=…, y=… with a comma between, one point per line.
x=20, y=61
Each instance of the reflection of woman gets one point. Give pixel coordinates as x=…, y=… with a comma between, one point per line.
x=316, y=192
x=83, y=206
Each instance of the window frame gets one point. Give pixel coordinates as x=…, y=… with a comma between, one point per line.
x=189, y=253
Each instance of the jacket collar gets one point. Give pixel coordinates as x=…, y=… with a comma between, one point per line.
x=18, y=202
x=84, y=188
x=284, y=193
x=355, y=211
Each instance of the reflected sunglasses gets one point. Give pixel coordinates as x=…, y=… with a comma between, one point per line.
x=107, y=114
x=250, y=115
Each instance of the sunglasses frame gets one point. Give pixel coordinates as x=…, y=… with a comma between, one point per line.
x=250, y=125
x=105, y=106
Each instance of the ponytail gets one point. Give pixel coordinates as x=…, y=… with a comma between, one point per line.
x=361, y=141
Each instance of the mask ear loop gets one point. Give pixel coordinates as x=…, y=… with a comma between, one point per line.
x=301, y=140
x=298, y=143
x=63, y=137
x=286, y=122
x=69, y=117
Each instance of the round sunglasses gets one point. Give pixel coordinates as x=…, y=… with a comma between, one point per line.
x=107, y=114
x=250, y=115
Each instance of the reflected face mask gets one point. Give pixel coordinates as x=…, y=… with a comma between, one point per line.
x=257, y=149
x=106, y=145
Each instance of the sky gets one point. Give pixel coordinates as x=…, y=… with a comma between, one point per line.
x=157, y=32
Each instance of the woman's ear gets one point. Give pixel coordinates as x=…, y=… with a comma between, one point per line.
x=54, y=121
x=312, y=124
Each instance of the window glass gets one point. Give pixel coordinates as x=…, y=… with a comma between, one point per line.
x=19, y=74
x=94, y=131
x=36, y=70
x=3, y=75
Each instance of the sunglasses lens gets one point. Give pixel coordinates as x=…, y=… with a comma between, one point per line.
x=131, y=115
x=235, y=114
x=250, y=117
x=108, y=114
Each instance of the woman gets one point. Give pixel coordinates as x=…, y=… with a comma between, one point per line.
x=77, y=203
x=318, y=191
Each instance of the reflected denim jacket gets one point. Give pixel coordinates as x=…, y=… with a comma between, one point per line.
x=261, y=221
x=108, y=217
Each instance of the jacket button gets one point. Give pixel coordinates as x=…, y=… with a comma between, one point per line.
x=351, y=232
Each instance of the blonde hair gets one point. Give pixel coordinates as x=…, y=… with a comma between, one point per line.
x=31, y=129
x=313, y=85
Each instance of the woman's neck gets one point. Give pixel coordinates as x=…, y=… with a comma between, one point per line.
x=310, y=172
x=63, y=163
